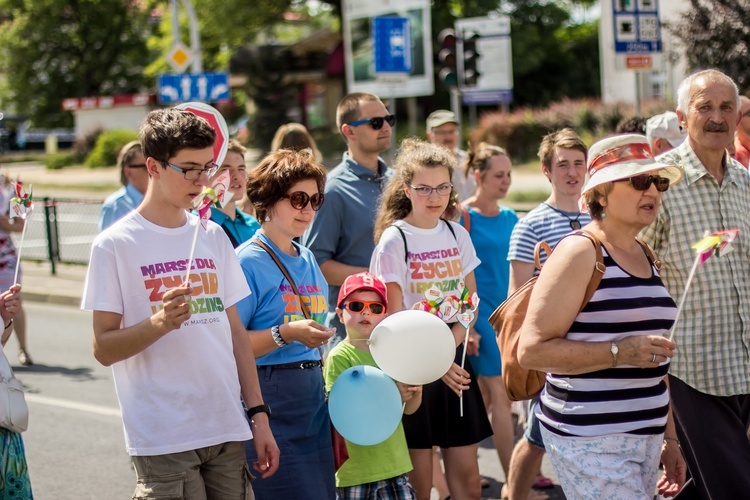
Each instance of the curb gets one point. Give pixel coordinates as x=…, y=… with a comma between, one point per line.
x=51, y=298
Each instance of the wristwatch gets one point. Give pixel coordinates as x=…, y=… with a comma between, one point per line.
x=615, y=351
x=251, y=412
x=277, y=336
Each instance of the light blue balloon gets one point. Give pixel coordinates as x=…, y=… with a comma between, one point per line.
x=365, y=405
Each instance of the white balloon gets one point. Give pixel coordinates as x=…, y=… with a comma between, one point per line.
x=413, y=347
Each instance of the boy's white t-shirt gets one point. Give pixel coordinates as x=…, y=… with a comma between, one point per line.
x=435, y=257
x=182, y=392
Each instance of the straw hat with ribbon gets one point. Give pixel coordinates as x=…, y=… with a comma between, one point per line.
x=624, y=156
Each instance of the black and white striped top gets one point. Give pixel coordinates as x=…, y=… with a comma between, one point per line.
x=625, y=399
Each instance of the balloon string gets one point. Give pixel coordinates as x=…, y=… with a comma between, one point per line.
x=684, y=294
x=192, y=252
x=18, y=255
x=403, y=407
x=463, y=362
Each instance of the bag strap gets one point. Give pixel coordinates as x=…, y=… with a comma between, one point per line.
x=403, y=237
x=283, y=270
x=288, y=277
x=650, y=254
x=599, y=267
x=465, y=217
x=542, y=245
x=232, y=239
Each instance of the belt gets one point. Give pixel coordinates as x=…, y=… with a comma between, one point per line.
x=302, y=365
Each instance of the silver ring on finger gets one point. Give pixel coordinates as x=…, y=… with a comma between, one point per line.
x=653, y=360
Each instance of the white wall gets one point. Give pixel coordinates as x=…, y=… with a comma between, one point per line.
x=126, y=117
x=619, y=85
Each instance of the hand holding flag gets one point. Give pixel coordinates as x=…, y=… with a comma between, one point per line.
x=217, y=194
x=21, y=205
x=717, y=243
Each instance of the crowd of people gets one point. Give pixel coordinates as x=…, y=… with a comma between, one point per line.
x=298, y=269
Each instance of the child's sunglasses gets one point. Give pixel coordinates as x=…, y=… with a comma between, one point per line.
x=643, y=182
x=300, y=199
x=376, y=123
x=358, y=306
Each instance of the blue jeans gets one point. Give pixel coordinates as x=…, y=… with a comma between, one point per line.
x=533, y=433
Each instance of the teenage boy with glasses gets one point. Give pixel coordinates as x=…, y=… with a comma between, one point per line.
x=341, y=236
x=180, y=355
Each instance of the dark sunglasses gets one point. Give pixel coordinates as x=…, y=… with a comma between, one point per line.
x=376, y=123
x=643, y=182
x=300, y=199
x=358, y=306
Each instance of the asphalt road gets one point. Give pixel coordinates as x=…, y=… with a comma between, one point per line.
x=75, y=444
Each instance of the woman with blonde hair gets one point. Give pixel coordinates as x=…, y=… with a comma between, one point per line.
x=418, y=249
x=295, y=136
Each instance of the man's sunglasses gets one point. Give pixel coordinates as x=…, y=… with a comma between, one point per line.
x=358, y=306
x=643, y=182
x=376, y=123
x=300, y=199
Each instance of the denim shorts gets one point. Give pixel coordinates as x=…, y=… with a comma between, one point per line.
x=533, y=433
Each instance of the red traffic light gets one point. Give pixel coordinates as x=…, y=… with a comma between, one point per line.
x=447, y=38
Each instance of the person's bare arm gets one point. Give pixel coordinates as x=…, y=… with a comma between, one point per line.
x=520, y=273
x=14, y=225
x=112, y=343
x=263, y=440
x=554, y=305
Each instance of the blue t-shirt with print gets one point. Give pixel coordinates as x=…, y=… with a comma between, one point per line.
x=272, y=301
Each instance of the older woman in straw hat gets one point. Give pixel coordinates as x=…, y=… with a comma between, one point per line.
x=605, y=406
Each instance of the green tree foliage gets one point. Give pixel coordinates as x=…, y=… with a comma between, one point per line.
x=715, y=34
x=224, y=26
x=53, y=49
x=552, y=57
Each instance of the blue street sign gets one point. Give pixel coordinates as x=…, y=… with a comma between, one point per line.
x=392, y=44
x=202, y=87
x=637, y=26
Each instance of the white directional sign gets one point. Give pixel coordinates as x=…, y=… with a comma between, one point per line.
x=203, y=87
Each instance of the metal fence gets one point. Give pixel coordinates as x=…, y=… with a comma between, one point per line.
x=60, y=231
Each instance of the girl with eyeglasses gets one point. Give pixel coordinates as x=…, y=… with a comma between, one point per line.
x=416, y=250
x=285, y=327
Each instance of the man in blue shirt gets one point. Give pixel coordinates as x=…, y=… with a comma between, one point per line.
x=134, y=179
x=341, y=236
x=238, y=225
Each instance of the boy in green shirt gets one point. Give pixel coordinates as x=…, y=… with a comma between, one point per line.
x=377, y=471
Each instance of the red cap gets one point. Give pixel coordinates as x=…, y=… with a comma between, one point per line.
x=362, y=281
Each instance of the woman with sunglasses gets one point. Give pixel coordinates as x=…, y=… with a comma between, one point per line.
x=284, y=315
x=604, y=410
x=418, y=250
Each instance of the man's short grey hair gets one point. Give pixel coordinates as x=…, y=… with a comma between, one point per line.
x=683, y=91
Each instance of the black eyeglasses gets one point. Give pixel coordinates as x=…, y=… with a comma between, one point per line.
x=300, y=199
x=193, y=174
x=643, y=182
x=425, y=191
x=376, y=123
x=137, y=165
x=358, y=306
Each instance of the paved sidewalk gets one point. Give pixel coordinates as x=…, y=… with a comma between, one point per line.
x=63, y=288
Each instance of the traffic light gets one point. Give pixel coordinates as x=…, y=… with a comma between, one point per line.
x=470, y=58
x=448, y=72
